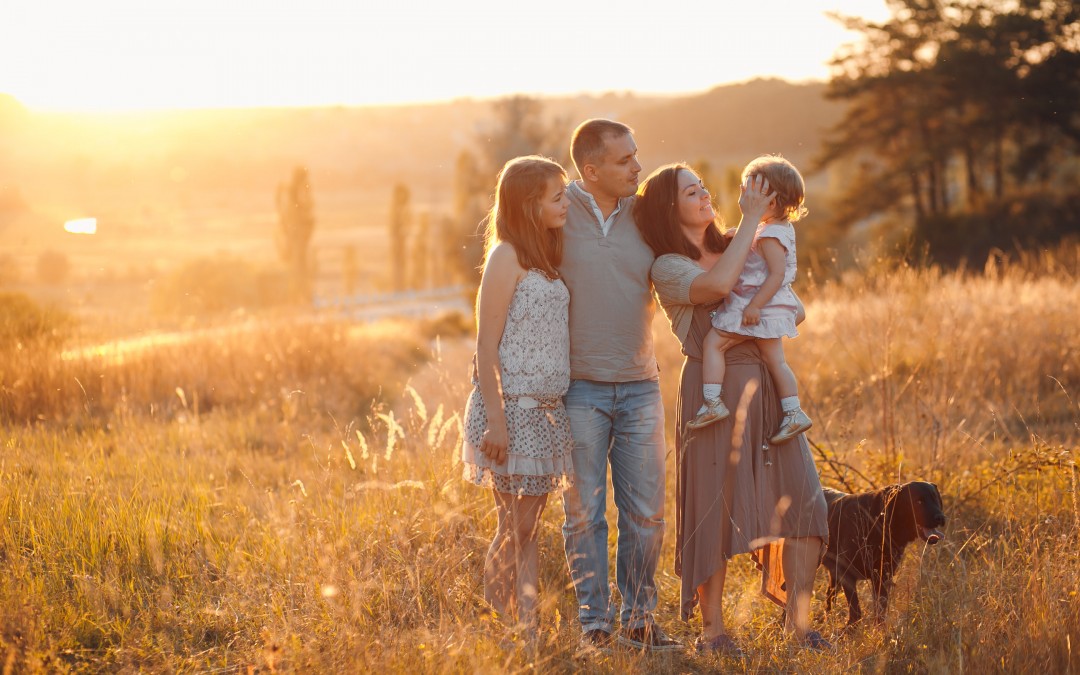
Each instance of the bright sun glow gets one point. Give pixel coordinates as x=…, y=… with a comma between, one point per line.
x=81, y=226
x=132, y=54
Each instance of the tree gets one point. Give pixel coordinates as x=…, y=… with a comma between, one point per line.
x=519, y=127
x=473, y=192
x=420, y=276
x=954, y=104
x=350, y=270
x=400, y=221
x=296, y=223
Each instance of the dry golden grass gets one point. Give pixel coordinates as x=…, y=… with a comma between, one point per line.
x=331, y=532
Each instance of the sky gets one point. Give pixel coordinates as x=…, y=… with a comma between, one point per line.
x=113, y=55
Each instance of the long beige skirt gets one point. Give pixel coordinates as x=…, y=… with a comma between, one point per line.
x=736, y=493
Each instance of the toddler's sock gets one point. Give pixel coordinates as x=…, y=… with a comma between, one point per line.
x=712, y=391
x=789, y=403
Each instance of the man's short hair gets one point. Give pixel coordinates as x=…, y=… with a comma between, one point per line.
x=587, y=143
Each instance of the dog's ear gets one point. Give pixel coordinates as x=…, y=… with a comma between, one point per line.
x=889, y=495
x=900, y=518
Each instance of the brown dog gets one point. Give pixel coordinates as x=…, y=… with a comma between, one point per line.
x=868, y=533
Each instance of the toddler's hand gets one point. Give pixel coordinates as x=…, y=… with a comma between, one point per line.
x=751, y=316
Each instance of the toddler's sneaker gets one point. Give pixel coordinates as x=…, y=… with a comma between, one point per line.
x=793, y=424
x=710, y=412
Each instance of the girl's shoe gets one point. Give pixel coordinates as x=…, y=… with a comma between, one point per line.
x=711, y=411
x=793, y=424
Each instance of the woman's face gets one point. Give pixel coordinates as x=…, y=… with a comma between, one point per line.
x=554, y=204
x=694, y=203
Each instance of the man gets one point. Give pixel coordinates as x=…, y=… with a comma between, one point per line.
x=616, y=413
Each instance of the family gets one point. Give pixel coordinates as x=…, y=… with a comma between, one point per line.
x=566, y=385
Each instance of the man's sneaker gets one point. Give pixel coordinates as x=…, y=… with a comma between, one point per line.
x=594, y=642
x=649, y=638
x=793, y=424
x=711, y=411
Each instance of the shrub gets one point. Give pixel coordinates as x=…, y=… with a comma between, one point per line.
x=24, y=323
x=1020, y=222
x=220, y=284
x=9, y=269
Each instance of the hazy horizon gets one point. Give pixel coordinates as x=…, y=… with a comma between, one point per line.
x=116, y=55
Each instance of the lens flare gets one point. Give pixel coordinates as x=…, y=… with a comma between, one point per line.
x=81, y=226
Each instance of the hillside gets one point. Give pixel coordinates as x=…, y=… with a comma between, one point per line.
x=204, y=181
x=732, y=124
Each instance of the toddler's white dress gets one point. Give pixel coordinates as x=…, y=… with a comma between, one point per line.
x=778, y=316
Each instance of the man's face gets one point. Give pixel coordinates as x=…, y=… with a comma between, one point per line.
x=617, y=173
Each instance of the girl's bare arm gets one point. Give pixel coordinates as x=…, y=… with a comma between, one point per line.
x=501, y=276
x=717, y=282
x=773, y=252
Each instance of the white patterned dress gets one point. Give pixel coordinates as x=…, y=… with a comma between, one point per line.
x=534, y=355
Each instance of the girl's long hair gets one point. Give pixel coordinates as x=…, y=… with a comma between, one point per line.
x=656, y=213
x=515, y=216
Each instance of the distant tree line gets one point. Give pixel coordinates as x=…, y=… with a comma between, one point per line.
x=965, y=116
x=428, y=249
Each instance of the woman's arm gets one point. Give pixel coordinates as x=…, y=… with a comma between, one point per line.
x=773, y=252
x=501, y=276
x=718, y=281
x=800, y=309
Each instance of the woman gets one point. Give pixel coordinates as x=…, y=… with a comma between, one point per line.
x=736, y=493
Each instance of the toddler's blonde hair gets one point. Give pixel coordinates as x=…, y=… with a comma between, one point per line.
x=785, y=180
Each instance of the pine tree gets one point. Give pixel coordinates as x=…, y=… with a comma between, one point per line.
x=296, y=224
x=420, y=276
x=400, y=222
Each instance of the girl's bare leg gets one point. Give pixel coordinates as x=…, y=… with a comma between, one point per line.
x=713, y=350
x=527, y=511
x=772, y=352
x=500, y=578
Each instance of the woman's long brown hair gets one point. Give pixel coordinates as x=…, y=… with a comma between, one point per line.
x=656, y=213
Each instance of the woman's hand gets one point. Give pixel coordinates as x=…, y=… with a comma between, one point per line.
x=718, y=281
x=800, y=309
x=755, y=199
x=494, y=443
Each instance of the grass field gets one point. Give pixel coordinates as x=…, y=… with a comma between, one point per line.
x=288, y=498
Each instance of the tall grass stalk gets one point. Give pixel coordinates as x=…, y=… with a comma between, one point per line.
x=331, y=531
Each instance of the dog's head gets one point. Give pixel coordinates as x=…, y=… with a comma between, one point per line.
x=914, y=511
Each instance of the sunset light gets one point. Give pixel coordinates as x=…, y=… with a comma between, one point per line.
x=121, y=55
x=345, y=336
x=81, y=226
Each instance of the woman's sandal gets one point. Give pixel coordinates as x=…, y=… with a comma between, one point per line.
x=815, y=642
x=721, y=645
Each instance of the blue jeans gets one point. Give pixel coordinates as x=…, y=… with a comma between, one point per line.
x=621, y=423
